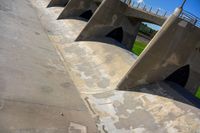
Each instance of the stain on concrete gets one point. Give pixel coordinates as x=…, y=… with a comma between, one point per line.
x=4, y=8
x=2, y=104
x=66, y=84
x=46, y=89
x=37, y=33
x=103, y=82
x=77, y=128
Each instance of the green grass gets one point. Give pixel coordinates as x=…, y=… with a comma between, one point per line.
x=198, y=93
x=138, y=47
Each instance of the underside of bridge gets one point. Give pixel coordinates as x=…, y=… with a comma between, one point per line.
x=77, y=74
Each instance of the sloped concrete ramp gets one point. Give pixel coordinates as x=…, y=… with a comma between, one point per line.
x=36, y=93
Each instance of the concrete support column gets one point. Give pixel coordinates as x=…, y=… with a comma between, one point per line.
x=168, y=51
x=108, y=17
x=61, y=3
x=130, y=38
x=76, y=7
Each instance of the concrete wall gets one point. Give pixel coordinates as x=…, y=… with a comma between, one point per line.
x=171, y=48
x=76, y=7
x=194, y=61
x=109, y=16
x=61, y=3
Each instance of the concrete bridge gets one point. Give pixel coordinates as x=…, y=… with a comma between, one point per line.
x=108, y=19
x=49, y=82
x=168, y=57
x=120, y=21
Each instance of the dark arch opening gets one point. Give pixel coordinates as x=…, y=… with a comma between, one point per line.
x=180, y=76
x=87, y=14
x=116, y=34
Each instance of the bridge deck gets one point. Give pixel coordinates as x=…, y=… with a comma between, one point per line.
x=145, y=16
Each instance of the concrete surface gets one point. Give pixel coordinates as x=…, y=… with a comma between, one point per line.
x=143, y=39
x=95, y=69
x=36, y=93
x=155, y=108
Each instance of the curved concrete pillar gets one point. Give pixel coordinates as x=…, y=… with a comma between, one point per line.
x=111, y=14
x=75, y=8
x=168, y=51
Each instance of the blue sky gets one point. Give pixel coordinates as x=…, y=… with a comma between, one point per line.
x=193, y=6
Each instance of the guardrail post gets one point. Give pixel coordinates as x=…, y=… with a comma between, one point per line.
x=165, y=14
x=133, y=4
x=157, y=11
x=138, y=5
x=195, y=21
x=144, y=8
x=129, y=2
x=150, y=9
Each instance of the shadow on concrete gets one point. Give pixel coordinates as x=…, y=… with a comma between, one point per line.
x=87, y=15
x=180, y=76
x=171, y=91
x=116, y=34
x=109, y=41
x=57, y=3
x=74, y=18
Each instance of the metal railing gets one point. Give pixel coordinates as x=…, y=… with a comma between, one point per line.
x=161, y=13
x=190, y=18
x=156, y=11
